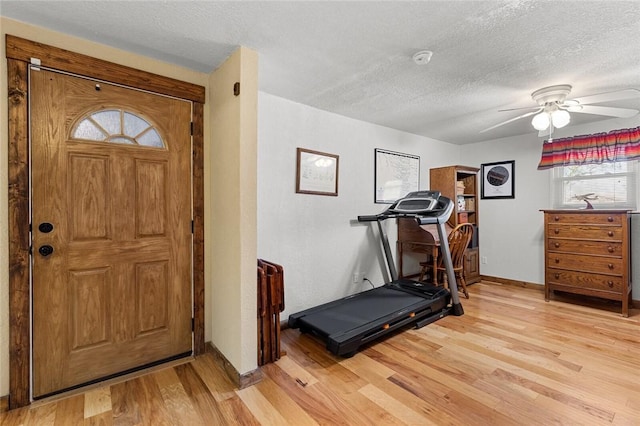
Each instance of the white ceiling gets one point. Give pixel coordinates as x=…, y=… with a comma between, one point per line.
x=355, y=58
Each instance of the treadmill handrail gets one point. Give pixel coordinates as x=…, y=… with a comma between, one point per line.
x=427, y=217
x=436, y=216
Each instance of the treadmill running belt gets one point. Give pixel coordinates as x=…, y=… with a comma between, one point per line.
x=362, y=308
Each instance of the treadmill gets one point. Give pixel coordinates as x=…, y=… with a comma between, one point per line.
x=348, y=323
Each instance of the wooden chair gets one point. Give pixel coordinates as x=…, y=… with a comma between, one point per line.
x=458, y=239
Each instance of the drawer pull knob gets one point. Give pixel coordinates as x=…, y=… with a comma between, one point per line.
x=610, y=284
x=610, y=233
x=610, y=265
x=557, y=260
x=557, y=245
x=557, y=231
x=610, y=249
x=557, y=275
x=556, y=218
x=610, y=219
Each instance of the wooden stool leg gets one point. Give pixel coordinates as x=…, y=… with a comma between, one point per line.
x=433, y=268
x=422, y=273
x=445, y=280
x=463, y=285
x=434, y=259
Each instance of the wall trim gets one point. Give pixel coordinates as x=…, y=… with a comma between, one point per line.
x=18, y=52
x=76, y=63
x=517, y=283
x=240, y=380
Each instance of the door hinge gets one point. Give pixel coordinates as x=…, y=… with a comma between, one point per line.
x=193, y=324
x=192, y=226
x=192, y=128
x=35, y=63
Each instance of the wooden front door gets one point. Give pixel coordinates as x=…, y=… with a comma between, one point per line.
x=111, y=229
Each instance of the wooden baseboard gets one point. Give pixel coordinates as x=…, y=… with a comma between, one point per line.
x=634, y=303
x=4, y=403
x=516, y=283
x=240, y=380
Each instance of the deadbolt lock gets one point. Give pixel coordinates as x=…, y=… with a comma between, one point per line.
x=45, y=250
x=45, y=227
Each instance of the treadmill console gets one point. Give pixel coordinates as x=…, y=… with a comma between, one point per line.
x=416, y=202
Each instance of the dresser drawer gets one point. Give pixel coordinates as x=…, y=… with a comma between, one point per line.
x=594, y=219
x=585, y=232
x=604, y=248
x=585, y=263
x=587, y=252
x=587, y=281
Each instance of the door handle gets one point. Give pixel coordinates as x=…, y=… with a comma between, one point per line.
x=45, y=250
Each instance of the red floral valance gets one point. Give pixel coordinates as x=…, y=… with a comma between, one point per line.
x=616, y=145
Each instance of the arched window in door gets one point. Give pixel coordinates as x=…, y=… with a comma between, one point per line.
x=117, y=126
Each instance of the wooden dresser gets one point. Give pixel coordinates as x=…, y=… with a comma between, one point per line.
x=587, y=252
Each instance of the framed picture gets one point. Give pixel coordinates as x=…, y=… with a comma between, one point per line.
x=498, y=180
x=316, y=173
x=397, y=174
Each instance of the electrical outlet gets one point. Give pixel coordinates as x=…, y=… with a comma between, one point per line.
x=483, y=260
x=357, y=277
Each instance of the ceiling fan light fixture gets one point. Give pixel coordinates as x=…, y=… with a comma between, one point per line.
x=560, y=118
x=540, y=121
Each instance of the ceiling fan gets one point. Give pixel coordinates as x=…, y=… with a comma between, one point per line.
x=553, y=107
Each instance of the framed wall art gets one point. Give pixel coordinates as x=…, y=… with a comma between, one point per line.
x=397, y=174
x=316, y=172
x=498, y=180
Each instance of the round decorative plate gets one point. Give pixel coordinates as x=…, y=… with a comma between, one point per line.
x=497, y=175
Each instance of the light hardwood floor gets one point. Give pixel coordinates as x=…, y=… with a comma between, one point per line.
x=511, y=359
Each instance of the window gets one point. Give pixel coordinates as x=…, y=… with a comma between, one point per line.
x=605, y=185
x=117, y=126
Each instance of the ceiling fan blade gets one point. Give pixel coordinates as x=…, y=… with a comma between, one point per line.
x=609, y=96
x=511, y=120
x=520, y=109
x=608, y=111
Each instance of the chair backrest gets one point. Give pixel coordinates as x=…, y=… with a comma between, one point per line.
x=459, y=239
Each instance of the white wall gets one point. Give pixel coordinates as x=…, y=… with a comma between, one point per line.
x=511, y=230
x=317, y=238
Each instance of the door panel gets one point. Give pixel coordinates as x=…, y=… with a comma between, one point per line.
x=152, y=296
x=115, y=293
x=90, y=302
x=89, y=197
x=150, y=198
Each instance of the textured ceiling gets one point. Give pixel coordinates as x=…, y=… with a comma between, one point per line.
x=355, y=58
